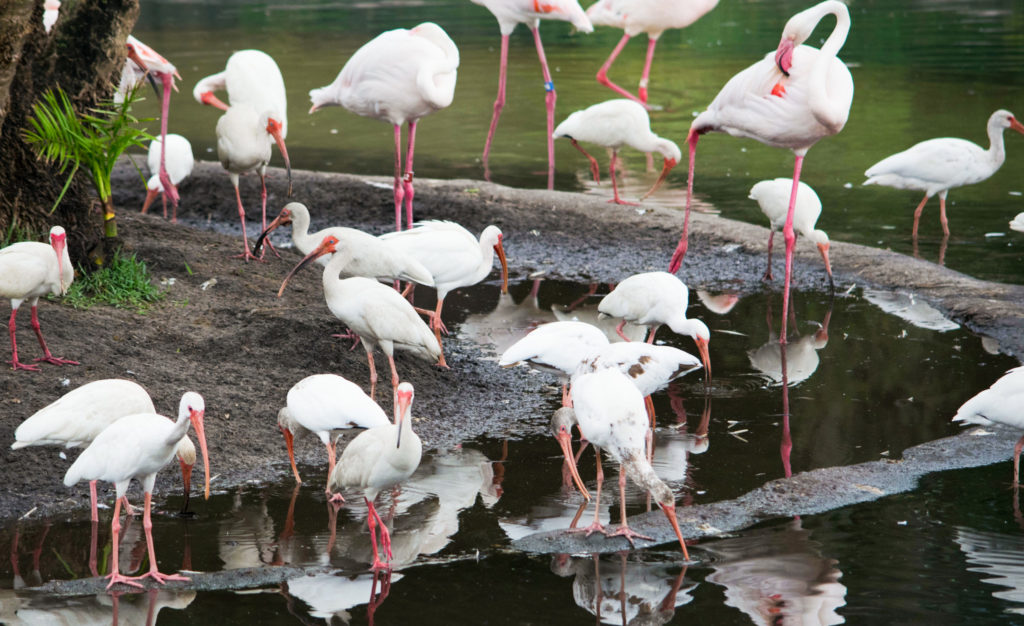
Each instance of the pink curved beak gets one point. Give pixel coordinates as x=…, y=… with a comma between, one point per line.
x=823, y=249
x=784, y=55
x=59, y=242
x=669, y=164
x=500, y=249
x=212, y=100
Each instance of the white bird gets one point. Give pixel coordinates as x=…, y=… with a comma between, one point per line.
x=510, y=13
x=773, y=198
x=609, y=411
x=144, y=62
x=378, y=314
x=28, y=270
x=999, y=404
x=655, y=298
x=613, y=124
x=79, y=416
x=397, y=77
x=179, y=160
x=137, y=446
x=789, y=99
x=243, y=145
x=372, y=257
x=653, y=17
x=937, y=165
x=252, y=77
x=453, y=256
x=1017, y=223
x=379, y=459
x=322, y=404
x=51, y=10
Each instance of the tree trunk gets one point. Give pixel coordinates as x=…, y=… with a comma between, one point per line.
x=83, y=54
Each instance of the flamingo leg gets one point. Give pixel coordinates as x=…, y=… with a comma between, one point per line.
x=549, y=103
x=92, y=501
x=499, y=104
x=768, y=269
x=147, y=524
x=790, y=237
x=163, y=198
x=624, y=530
x=917, y=215
x=399, y=188
x=47, y=357
x=1016, y=460
x=289, y=441
x=942, y=214
x=615, y=185
x=241, y=215
x=645, y=76
x=407, y=179
x=115, y=575
x=165, y=179
x=680, y=252
x=151, y=195
x=385, y=534
x=602, y=74
x=595, y=169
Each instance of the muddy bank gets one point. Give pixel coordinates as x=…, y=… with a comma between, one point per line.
x=221, y=330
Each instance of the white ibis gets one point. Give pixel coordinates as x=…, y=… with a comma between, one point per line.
x=372, y=257
x=137, y=446
x=243, y=145
x=509, y=14
x=378, y=459
x=28, y=270
x=1017, y=223
x=937, y=165
x=179, y=162
x=453, y=256
x=999, y=404
x=613, y=124
x=323, y=403
x=609, y=411
x=79, y=416
x=655, y=298
x=557, y=347
x=790, y=99
x=397, y=77
x=252, y=77
x=378, y=314
x=51, y=11
x=773, y=198
x=144, y=62
x=653, y=17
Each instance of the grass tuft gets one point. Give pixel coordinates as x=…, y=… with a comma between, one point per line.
x=124, y=283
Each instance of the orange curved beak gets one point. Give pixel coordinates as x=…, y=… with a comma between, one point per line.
x=284, y=217
x=669, y=164
x=326, y=247
x=274, y=128
x=565, y=443
x=823, y=249
x=196, y=417
x=500, y=249
x=705, y=356
x=212, y=100
x=670, y=512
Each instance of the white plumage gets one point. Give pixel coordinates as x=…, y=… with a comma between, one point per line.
x=179, y=162
x=1017, y=223
x=1002, y=403
x=937, y=165
x=250, y=77
x=773, y=198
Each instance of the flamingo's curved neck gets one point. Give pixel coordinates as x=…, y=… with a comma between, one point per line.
x=820, y=103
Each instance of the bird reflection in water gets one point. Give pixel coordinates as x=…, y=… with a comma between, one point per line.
x=617, y=590
x=778, y=576
x=331, y=597
x=997, y=556
x=508, y=322
x=117, y=608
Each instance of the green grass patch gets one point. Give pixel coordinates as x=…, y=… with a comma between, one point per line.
x=124, y=283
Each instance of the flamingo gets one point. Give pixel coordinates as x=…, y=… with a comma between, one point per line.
x=397, y=77
x=143, y=62
x=372, y=257
x=789, y=99
x=609, y=411
x=453, y=256
x=79, y=416
x=28, y=270
x=137, y=446
x=510, y=13
x=243, y=145
x=937, y=165
x=179, y=155
x=378, y=314
x=378, y=459
x=652, y=299
x=1017, y=223
x=323, y=403
x=772, y=196
x=252, y=77
x=999, y=404
x=51, y=10
x=613, y=124
x=653, y=17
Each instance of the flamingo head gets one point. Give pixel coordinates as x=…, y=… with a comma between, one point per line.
x=193, y=406
x=58, y=239
x=784, y=55
x=283, y=218
x=275, y=129
x=561, y=428
x=329, y=245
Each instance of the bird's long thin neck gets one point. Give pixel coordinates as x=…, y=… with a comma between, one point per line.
x=639, y=470
x=300, y=227
x=819, y=100
x=486, y=261
x=180, y=428
x=996, y=150
x=331, y=278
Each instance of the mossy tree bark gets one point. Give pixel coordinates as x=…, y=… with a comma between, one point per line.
x=83, y=54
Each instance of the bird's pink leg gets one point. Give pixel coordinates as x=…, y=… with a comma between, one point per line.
x=549, y=103
x=615, y=185
x=170, y=192
x=499, y=104
x=645, y=76
x=602, y=74
x=18, y=365
x=373, y=373
x=435, y=324
x=241, y=214
x=596, y=526
x=371, y=522
x=917, y=215
x=263, y=223
x=942, y=214
x=650, y=335
x=333, y=497
x=680, y=251
x=399, y=191
x=618, y=331
x=624, y=530
x=47, y=357
x=790, y=237
x=768, y=269
x=93, y=540
x=385, y=534
x=147, y=524
x=163, y=197
x=92, y=501
x=115, y=530
x=595, y=169
x=407, y=179
x=1016, y=460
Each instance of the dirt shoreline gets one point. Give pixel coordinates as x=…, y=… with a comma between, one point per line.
x=242, y=347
